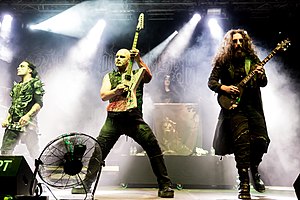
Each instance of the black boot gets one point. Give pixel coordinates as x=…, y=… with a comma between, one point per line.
x=93, y=173
x=244, y=187
x=166, y=192
x=258, y=184
x=164, y=182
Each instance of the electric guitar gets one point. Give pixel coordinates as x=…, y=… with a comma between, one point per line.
x=231, y=101
x=130, y=80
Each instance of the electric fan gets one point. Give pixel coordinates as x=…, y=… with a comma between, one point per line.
x=64, y=161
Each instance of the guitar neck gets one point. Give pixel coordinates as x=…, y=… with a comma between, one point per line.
x=139, y=27
x=252, y=73
x=135, y=39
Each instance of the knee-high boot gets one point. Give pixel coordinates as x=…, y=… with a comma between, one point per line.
x=164, y=182
x=244, y=187
x=257, y=152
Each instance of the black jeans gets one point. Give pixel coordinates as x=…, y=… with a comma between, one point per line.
x=132, y=125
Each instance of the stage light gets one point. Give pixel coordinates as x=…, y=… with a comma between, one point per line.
x=215, y=29
x=75, y=21
x=214, y=11
x=6, y=22
x=6, y=26
x=6, y=54
x=196, y=18
x=151, y=56
x=182, y=39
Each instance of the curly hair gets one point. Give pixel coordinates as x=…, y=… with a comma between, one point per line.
x=225, y=52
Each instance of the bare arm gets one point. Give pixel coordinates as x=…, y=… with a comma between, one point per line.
x=147, y=75
x=107, y=93
x=140, y=63
x=33, y=111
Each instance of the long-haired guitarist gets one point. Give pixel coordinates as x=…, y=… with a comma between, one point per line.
x=124, y=91
x=241, y=128
x=21, y=120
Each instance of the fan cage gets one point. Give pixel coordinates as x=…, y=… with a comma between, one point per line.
x=64, y=160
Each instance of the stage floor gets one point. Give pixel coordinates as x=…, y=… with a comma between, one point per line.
x=106, y=193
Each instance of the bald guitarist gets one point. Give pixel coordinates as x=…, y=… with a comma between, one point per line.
x=123, y=88
x=122, y=97
x=122, y=119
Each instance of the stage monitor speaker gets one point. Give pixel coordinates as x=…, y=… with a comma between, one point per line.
x=15, y=175
x=297, y=187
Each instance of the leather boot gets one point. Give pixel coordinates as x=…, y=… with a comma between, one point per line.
x=166, y=192
x=244, y=187
x=164, y=182
x=258, y=184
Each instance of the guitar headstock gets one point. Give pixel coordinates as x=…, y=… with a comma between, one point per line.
x=140, y=24
x=283, y=45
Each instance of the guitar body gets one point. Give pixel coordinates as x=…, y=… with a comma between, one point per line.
x=123, y=103
x=134, y=83
x=229, y=102
x=16, y=126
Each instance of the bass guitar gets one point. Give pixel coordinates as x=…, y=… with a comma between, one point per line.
x=231, y=101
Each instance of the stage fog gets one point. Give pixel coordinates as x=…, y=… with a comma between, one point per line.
x=72, y=75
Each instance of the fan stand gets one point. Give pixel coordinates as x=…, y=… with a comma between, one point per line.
x=37, y=188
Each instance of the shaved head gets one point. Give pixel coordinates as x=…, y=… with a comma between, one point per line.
x=122, y=58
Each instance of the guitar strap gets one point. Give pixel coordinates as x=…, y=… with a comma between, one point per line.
x=231, y=71
x=247, y=65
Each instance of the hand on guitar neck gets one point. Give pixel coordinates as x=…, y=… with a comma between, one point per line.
x=135, y=55
x=259, y=69
x=234, y=89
